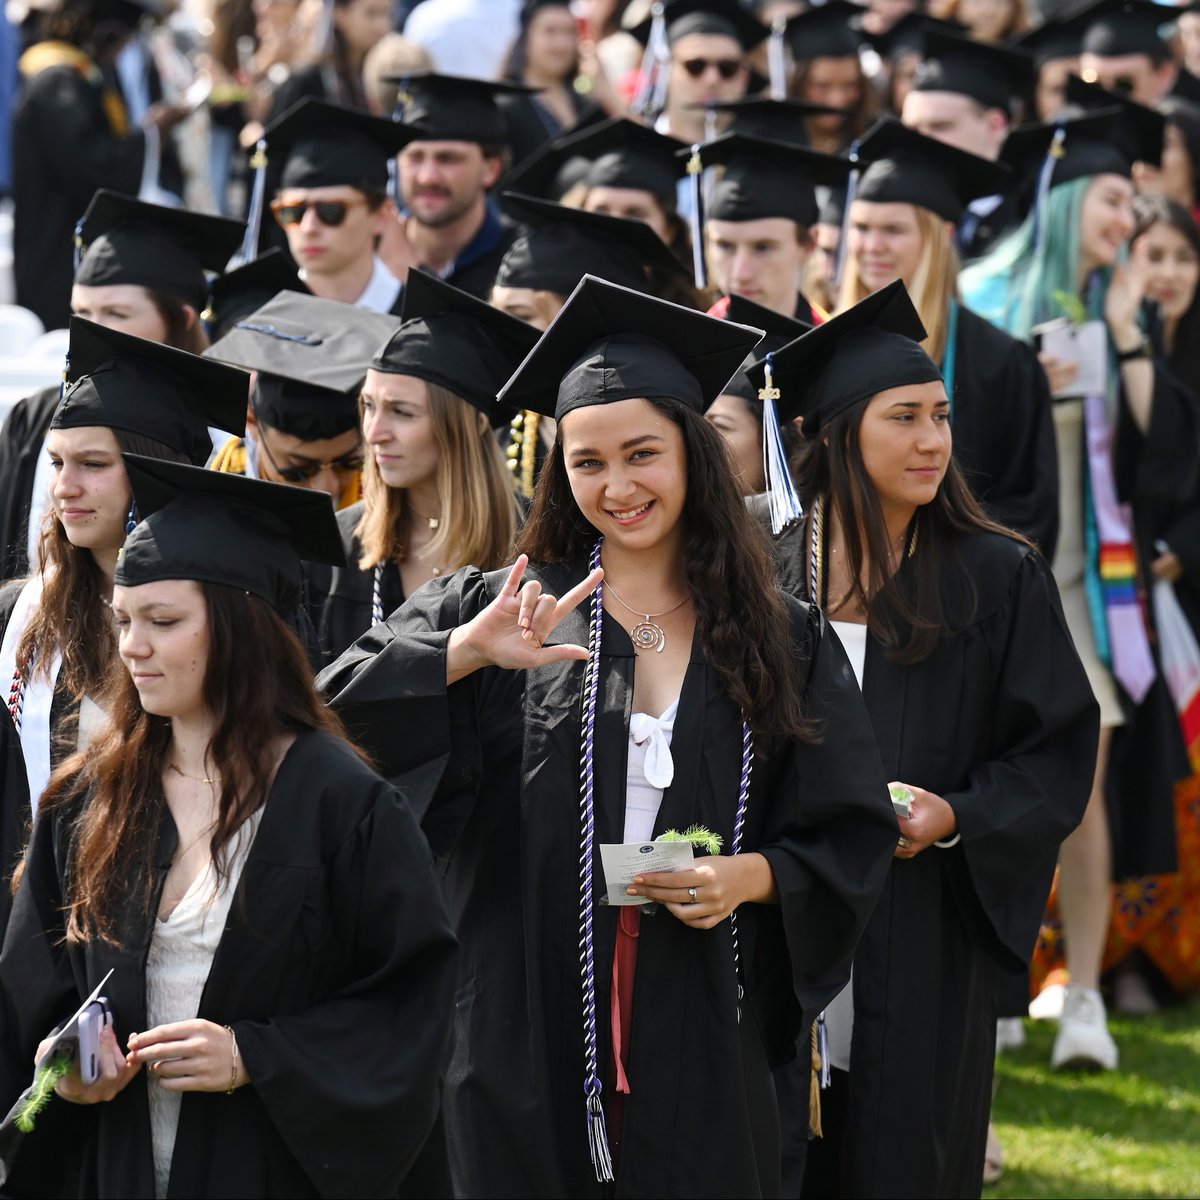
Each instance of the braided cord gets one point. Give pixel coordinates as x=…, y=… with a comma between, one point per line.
x=377, y=596
x=592, y=1087
x=739, y=828
x=16, y=698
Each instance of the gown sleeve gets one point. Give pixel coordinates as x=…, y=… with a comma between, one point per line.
x=1024, y=491
x=1023, y=798
x=351, y=1083
x=392, y=682
x=38, y=991
x=833, y=830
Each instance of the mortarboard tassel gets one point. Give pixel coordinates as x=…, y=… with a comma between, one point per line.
x=651, y=93
x=1045, y=175
x=839, y=262
x=249, y=250
x=695, y=172
x=814, y=1087
x=78, y=246
x=777, y=60
x=782, y=500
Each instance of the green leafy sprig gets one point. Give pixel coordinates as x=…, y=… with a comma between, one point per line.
x=701, y=838
x=1071, y=305
x=39, y=1094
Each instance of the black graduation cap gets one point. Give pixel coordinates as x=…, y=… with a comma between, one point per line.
x=777, y=329
x=766, y=179
x=545, y=172
x=530, y=7
x=237, y=293
x=124, y=382
x=1114, y=28
x=905, y=167
x=907, y=35
x=1080, y=146
x=216, y=527
x=561, y=245
x=457, y=342
x=831, y=31
x=1139, y=131
x=774, y=120
x=851, y=357
x=453, y=107
x=618, y=152
x=1060, y=37
x=330, y=145
x=610, y=343
x=992, y=75
x=831, y=205
x=728, y=17
x=311, y=356
x=156, y=247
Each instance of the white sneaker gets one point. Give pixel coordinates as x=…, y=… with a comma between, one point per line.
x=1047, y=1005
x=1010, y=1034
x=1083, y=1042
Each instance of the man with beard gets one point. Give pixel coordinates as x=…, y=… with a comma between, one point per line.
x=456, y=154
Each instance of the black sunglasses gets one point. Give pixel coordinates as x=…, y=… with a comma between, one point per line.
x=329, y=212
x=348, y=464
x=727, y=68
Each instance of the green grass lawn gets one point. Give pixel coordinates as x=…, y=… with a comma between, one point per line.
x=1132, y=1132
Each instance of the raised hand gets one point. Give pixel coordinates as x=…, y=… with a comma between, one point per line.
x=512, y=630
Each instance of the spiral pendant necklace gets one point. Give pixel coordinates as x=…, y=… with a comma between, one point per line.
x=645, y=635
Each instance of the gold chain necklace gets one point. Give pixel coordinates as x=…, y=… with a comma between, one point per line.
x=194, y=778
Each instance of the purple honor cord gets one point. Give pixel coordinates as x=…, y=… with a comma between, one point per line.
x=593, y=1088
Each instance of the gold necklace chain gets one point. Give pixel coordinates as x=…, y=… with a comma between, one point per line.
x=194, y=778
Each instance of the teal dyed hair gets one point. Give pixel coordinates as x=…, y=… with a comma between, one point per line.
x=1016, y=287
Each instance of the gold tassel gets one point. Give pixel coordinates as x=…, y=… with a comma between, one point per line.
x=529, y=445
x=814, y=1088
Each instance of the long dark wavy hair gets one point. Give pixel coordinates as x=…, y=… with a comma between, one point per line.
x=741, y=617
x=906, y=611
x=257, y=687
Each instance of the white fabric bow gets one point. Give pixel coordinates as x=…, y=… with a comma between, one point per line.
x=660, y=766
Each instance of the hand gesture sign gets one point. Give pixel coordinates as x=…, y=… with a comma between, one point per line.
x=512, y=630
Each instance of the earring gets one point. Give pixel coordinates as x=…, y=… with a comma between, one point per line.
x=131, y=520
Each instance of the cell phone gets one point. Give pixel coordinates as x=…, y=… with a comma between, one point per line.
x=92, y=1020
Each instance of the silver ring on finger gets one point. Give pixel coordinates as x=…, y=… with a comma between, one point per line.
x=691, y=895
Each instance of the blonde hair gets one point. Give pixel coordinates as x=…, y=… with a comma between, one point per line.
x=934, y=283
x=479, y=507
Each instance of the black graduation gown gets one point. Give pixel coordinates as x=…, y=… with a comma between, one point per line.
x=1004, y=430
x=335, y=971
x=497, y=766
x=1158, y=475
x=1000, y=721
x=63, y=150
x=346, y=615
x=531, y=125
x=21, y=439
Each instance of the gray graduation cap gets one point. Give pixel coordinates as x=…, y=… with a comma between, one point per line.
x=311, y=356
x=119, y=381
x=727, y=17
x=216, y=527
x=610, y=343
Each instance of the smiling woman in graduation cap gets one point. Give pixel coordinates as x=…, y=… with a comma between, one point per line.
x=636, y=670
x=264, y=901
x=1066, y=263
x=122, y=393
x=910, y=193
x=983, y=716
x=436, y=494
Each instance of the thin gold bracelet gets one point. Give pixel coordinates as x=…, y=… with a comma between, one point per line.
x=233, y=1065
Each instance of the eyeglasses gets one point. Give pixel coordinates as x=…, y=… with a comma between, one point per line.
x=348, y=464
x=329, y=212
x=727, y=68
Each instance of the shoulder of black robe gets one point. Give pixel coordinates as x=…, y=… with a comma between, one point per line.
x=21, y=438
x=477, y=276
x=336, y=940
x=1004, y=430
x=1032, y=776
